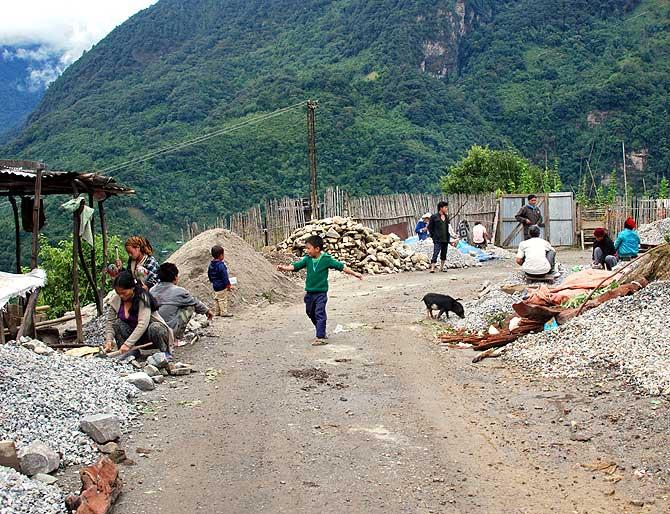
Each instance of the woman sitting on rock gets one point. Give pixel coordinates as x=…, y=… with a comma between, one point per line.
x=141, y=262
x=133, y=318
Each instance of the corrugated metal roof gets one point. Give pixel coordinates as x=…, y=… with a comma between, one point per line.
x=19, y=180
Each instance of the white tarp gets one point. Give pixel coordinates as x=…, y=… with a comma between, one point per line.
x=12, y=285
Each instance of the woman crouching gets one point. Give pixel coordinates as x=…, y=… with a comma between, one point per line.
x=133, y=319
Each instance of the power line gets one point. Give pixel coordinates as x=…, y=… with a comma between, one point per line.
x=204, y=137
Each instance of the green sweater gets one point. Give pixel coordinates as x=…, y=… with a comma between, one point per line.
x=317, y=271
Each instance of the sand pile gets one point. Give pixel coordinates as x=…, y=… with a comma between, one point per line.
x=258, y=280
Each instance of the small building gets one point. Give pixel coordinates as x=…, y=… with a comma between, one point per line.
x=29, y=182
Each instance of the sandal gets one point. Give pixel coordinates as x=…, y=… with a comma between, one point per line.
x=319, y=342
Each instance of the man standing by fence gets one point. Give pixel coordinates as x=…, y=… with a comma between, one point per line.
x=529, y=215
x=441, y=232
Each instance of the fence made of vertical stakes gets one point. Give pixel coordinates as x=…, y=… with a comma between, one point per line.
x=642, y=210
x=275, y=220
x=283, y=217
x=250, y=226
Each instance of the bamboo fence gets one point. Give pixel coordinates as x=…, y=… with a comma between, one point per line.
x=642, y=210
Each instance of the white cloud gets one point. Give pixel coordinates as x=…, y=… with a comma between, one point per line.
x=64, y=29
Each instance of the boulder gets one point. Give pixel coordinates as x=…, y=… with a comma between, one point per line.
x=141, y=380
x=159, y=360
x=102, y=428
x=151, y=370
x=8, y=456
x=45, y=479
x=37, y=457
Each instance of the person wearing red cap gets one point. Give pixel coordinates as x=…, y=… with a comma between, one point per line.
x=604, y=253
x=627, y=243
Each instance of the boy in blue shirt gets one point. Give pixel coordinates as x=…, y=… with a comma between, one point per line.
x=318, y=263
x=218, y=276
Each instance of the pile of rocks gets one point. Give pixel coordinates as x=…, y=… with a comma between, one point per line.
x=361, y=248
x=21, y=495
x=455, y=259
x=625, y=338
x=492, y=307
x=654, y=233
x=44, y=399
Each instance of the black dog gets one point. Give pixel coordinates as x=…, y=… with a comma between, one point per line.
x=444, y=304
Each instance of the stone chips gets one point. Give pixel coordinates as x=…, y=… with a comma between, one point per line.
x=625, y=338
x=361, y=248
x=21, y=495
x=44, y=398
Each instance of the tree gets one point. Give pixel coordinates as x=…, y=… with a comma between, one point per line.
x=56, y=260
x=663, y=188
x=483, y=170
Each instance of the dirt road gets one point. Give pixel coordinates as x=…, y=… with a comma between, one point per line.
x=393, y=424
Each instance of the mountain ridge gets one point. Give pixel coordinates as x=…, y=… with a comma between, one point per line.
x=405, y=88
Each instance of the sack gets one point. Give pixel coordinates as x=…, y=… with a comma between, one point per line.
x=27, y=204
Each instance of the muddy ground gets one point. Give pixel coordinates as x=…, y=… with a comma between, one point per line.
x=388, y=422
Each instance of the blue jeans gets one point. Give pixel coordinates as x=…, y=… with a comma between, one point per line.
x=315, y=306
x=439, y=249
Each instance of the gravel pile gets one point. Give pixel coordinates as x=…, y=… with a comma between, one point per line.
x=21, y=495
x=518, y=277
x=654, y=233
x=498, y=252
x=44, y=397
x=626, y=338
x=94, y=330
x=492, y=307
x=455, y=259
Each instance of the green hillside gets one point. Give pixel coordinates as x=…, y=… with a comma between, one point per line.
x=405, y=88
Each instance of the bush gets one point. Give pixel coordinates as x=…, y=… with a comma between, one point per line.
x=56, y=260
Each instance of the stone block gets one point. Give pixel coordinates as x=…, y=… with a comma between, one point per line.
x=102, y=428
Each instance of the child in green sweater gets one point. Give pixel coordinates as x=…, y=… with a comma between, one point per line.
x=318, y=263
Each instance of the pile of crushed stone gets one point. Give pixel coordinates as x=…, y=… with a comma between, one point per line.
x=455, y=259
x=625, y=338
x=21, y=495
x=44, y=397
x=258, y=281
x=655, y=233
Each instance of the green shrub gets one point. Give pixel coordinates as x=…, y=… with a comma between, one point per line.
x=56, y=260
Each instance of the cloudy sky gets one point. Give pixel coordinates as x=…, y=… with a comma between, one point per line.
x=61, y=29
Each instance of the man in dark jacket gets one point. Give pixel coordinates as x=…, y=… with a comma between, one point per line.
x=441, y=233
x=529, y=215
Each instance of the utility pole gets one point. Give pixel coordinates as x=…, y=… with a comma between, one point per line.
x=625, y=176
x=311, y=144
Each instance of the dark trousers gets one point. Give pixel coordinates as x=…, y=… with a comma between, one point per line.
x=441, y=250
x=315, y=306
x=157, y=333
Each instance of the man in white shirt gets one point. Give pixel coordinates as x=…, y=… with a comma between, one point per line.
x=479, y=235
x=535, y=255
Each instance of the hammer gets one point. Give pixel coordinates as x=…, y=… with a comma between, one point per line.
x=118, y=353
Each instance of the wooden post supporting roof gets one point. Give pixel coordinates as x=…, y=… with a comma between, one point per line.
x=36, y=216
x=17, y=233
x=76, y=301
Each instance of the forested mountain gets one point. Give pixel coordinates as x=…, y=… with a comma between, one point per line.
x=405, y=88
x=24, y=73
